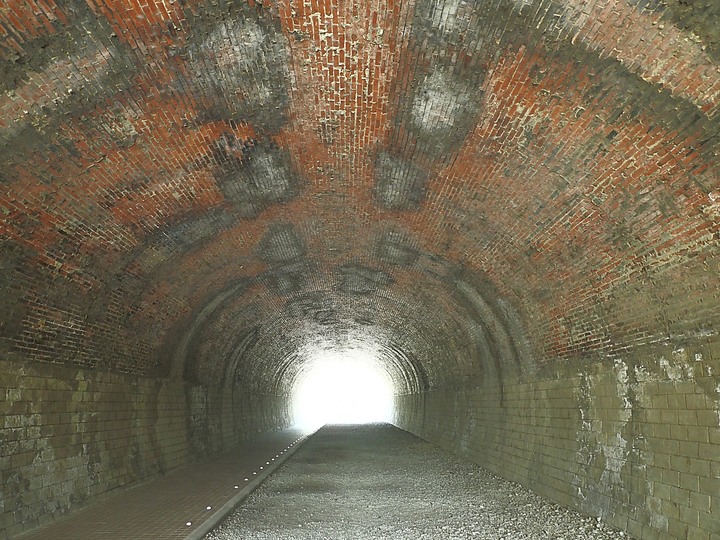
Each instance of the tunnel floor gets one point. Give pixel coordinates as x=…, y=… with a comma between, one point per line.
x=377, y=481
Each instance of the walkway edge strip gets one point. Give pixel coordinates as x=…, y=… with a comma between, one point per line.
x=214, y=520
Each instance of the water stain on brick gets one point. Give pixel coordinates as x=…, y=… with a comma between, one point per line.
x=395, y=248
x=290, y=277
x=65, y=74
x=305, y=305
x=175, y=239
x=39, y=53
x=245, y=59
x=281, y=243
x=399, y=184
x=113, y=125
x=444, y=109
x=448, y=15
x=441, y=107
x=453, y=23
x=263, y=176
x=194, y=230
x=284, y=252
x=359, y=279
x=699, y=19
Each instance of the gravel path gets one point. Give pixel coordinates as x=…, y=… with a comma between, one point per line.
x=376, y=481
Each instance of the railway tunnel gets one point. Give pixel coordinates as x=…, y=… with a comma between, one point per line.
x=508, y=209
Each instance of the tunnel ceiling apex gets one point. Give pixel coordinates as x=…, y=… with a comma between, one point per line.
x=541, y=174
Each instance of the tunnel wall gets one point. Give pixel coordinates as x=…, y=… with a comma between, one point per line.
x=70, y=435
x=632, y=441
x=174, y=174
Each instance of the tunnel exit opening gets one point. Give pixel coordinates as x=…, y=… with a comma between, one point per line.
x=349, y=387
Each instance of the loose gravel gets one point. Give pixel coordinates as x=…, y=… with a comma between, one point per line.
x=377, y=482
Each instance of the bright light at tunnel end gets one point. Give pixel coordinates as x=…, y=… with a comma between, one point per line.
x=342, y=388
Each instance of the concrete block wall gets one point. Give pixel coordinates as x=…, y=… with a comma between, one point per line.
x=218, y=421
x=69, y=435
x=633, y=441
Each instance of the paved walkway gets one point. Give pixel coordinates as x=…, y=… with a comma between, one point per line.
x=184, y=504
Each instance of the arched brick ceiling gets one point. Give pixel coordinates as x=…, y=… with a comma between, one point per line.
x=212, y=189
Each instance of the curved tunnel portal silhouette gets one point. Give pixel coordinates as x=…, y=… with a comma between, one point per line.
x=494, y=224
